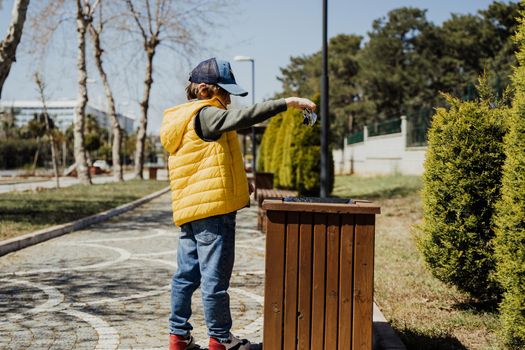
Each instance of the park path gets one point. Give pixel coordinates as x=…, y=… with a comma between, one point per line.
x=107, y=287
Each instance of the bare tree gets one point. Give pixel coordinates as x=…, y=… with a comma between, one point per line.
x=54, y=154
x=176, y=24
x=95, y=32
x=12, y=39
x=45, y=23
x=84, y=16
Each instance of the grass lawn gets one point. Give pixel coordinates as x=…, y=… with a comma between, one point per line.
x=426, y=313
x=24, y=212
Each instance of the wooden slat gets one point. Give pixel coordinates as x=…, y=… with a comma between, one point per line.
x=355, y=208
x=274, y=281
x=345, y=284
x=305, y=282
x=363, y=282
x=290, y=282
x=318, y=281
x=332, y=282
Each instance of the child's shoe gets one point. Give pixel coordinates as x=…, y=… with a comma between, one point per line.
x=233, y=343
x=178, y=342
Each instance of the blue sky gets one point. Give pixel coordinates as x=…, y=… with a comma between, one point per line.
x=268, y=30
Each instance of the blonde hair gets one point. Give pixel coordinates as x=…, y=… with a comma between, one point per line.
x=209, y=91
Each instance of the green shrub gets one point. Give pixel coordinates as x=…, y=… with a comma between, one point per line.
x=267, y=143
x=277, y=152
x=308, y=158
x=15, y=153
x=291, y=151
x=510, y=218
x=292, y=121
x=461, y=185
x=261, y=155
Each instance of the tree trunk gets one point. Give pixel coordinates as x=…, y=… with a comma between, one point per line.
x=9, y=44
x=144, y=104
x=35, y=158
x=54, y=152
x=64, y=154
x=80, y=110
x=117, y=131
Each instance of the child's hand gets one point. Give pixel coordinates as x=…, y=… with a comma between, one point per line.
x=300, y=103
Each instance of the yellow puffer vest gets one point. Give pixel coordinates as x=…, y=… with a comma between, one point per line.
x=206, y=178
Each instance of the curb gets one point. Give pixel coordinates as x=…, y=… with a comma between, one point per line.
x=17, y=243
x=384, y=337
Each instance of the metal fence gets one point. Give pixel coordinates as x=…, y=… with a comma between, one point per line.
x=385, y=127
x=418, y=123
x=356, y=137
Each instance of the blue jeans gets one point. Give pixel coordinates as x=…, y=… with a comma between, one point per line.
x=205, y=257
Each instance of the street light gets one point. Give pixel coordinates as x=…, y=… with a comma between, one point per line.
x=250, y=59
x=325, y=171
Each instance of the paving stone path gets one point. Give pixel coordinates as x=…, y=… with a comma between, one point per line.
x=107, y=287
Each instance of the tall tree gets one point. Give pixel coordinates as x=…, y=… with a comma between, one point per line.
x=302, y=77
x=12, y=39
x=501, y=22
x=396, y=62
x=346, y=106
x=176, y=24
x=54, y=153
x=510, y=218
x=95, y=31
x=150, y=30
x=84, y=16
x=46, y=21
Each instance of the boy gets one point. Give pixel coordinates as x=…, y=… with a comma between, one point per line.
x=209, y=185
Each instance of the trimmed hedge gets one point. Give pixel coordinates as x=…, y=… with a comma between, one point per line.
x=267, y=142
x=510, y=219
x=17, y=153
x=291, y=151
x=461, y=185
x=292, y=124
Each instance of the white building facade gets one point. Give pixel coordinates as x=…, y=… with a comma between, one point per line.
x=62, y=113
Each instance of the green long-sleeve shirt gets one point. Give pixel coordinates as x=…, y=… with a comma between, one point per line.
x=211, y=121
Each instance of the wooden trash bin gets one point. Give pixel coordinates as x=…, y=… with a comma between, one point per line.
x=152, y=172
x=319, y=278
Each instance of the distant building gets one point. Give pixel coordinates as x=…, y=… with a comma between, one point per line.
x=62, y=113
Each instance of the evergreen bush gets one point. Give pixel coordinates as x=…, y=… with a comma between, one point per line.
x=293, y=121
x=278, y=151
x=16, y=153
x=291, y=151
x=308, y=161
x=268, y=142
x=510, y=218
x=461, y=185
x=261, y=154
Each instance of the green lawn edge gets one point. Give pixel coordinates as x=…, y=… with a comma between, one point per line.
x=29, y=211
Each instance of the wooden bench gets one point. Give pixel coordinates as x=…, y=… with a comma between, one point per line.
x=269, y=193
x=263, y=181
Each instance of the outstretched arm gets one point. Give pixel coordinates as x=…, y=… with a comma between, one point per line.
x=211, y=122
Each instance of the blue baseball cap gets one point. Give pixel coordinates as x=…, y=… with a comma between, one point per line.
x=218, y=72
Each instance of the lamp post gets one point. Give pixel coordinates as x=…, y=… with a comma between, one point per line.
x=325, y=173
x=250, y=59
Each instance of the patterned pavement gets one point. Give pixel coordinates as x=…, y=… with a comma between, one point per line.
x=107, y=287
